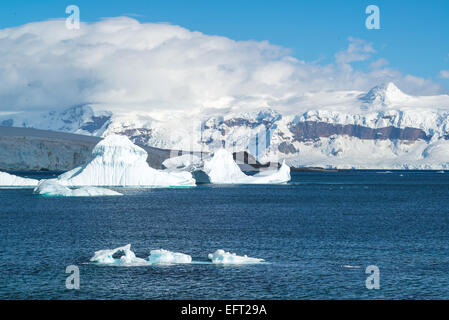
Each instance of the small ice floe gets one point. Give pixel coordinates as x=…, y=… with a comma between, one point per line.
x=167, y=257
x=10, y=180
x=222, y=257
x=440, y=171
x=347, y=266
x=52, y=188
x=124, y=256
x=128, y=258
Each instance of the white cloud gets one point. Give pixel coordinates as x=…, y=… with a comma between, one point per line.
x=126, y=65
x=379, y=63
x=444, y=74
x=358, y=50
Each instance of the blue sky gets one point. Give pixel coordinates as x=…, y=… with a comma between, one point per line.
x=414, y=35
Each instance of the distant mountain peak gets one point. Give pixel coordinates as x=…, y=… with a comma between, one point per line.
x=390, y=89
x=384, y=94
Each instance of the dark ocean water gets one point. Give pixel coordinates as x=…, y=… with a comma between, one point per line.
x=318, y=235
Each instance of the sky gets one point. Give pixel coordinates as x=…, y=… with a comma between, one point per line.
x=326, y=38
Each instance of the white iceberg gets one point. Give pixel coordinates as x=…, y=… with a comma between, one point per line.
x=10, y=180
x=184, y=161
x=128, y=257
x=53, y=188
x=116, y=161
x=282, y=175
x=167, y=257
x=222, y=169
x=222, y=257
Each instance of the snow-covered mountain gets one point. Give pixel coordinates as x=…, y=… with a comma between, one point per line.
x=381, y=128
x=77, y=119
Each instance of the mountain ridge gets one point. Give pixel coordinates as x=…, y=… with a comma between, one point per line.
x=335, y=134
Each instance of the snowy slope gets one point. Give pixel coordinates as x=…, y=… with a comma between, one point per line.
x=381, y=128
x=78, y=119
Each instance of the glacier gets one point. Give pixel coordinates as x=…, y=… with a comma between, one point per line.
x=53, y=188
x=222, y=169
x=222, y=257
x=10, y=180
x=129, y=259
x=116, y=161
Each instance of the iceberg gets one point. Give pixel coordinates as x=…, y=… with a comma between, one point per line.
x=128, y=257
x=167, y=257
x=222, y=169
x=124, y=256
x=185, y=161
x=282, y=175
x=10, y=180
x=53, y=188
x=116, y=161
x=222, y=257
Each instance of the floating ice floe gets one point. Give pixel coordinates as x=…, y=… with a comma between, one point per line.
x=222, y=169
x=167, y=257
x=10, y=180
x=53, y=188
x=223, y=257
x=128, y=258
x=124, y=256
x=116, y=161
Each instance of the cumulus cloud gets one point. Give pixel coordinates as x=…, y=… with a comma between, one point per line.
x=358, y=50
x=380, y=63
x=125, y=65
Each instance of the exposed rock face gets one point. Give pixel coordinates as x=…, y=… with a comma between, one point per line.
x=311, y=131
x=138, y=135
x=287, y=148
x=266, y=118
x=95, y=124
